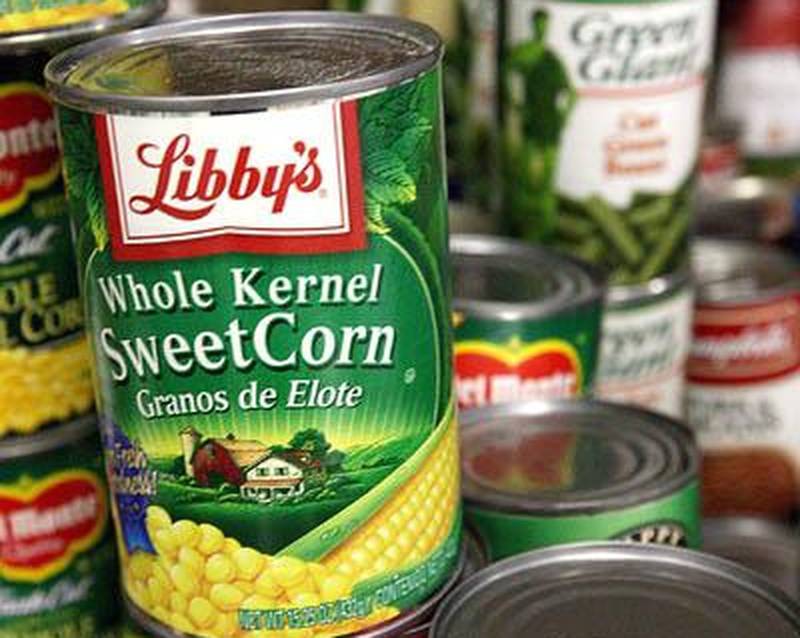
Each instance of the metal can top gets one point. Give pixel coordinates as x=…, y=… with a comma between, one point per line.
x=734, y=272
x=62, y=35
x=620, y=297
x=615, y=589
x=767, y=547
x=47, y=440
x=512, y=280
x=572, y=457
x=242, y=62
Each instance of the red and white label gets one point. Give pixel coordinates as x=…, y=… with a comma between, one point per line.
x=29, y=157
x=287, y=180
x=745, y=344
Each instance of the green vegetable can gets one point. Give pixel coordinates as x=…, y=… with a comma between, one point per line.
x=58, y=566
x=555, y=472
x=266, y=286
x=602, y=104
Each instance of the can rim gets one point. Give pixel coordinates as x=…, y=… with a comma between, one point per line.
x=636, y=556
x=678, y=472
x=621, y=297
x=60, y=68
x=752, y=530
x=20, y=42
x=590, y=282
x=23, y=445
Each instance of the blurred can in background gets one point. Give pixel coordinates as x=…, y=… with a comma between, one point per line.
x=744, y=377
x=645, y=344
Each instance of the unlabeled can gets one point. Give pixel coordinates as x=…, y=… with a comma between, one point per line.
x=527, y=322
x=627, y=591
x=549, y=473
x=647, y=330
x=769, y=548
x=744, y=377
x=602, y=125
x=58, y=567
x=270, y=315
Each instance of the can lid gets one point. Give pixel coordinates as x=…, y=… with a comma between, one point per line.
x=511, y=280
x=733, y=272
x=571, y=457
x=60, y=36
x=242, y=62
x=767, y=547
x=53, y=438
x=620, y=590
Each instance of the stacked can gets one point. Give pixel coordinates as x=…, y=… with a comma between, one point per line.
x=601, y=105
x=57, y=559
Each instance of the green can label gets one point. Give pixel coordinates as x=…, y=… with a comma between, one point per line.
x=58, y=568
x=44, y=359
x=27, y=15
x=602, y=122
x=270, y=322
x=499, y=361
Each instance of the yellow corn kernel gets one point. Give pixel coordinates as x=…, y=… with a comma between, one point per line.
x=287, y=571
x=305, y=632
x=181, y=623
x=156, y=589
x=178, y=602
x=334, y=586
x=164, y=542
x=141, y=565
x=185, y=533
x=201, y=612
x=257, y=601
x=305, y=599
x=231, y=545
x=220, y=569
x=245, y=586
x=157, y=518
x=211, y=539
x=226, y=626
x=226, y=597
x=266, y=585
x=249, y=563
x=184, y=581
x=193, y=559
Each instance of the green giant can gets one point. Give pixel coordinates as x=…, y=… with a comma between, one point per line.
x=58, y=567
x=266, y=283
x=602, y=122
x=549, y=473
x=527, y=322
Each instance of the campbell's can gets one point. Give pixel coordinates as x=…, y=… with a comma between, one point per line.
x=270, y=315
x=744, y=377
x=647, y=332
x=527, y=322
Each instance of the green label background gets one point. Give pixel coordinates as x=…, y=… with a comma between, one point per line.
x=509, y=534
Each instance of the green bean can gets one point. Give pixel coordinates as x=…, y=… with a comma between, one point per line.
x=527, y=322
x=555, y=472
x=58, y=567
x=602, y=104
x=266, y=283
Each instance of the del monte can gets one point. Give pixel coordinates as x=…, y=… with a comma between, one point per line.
x=266, y=286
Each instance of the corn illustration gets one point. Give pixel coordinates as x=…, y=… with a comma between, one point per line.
x=41, y=386
x=35, y=17
x=199, y=579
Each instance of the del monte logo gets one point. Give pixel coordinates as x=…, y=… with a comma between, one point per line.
x=29, y=157
x=275, y=181
x=487, y=373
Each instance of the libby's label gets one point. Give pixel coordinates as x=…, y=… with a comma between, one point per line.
x=644, y=351
x=624, y=83
x=44, y=366
x=487, y=374
x=272, y=347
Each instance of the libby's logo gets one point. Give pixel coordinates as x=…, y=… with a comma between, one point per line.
x=488, y=374
x=751, y=343
x=29, y=157
x=278, y=181
x=44, y=524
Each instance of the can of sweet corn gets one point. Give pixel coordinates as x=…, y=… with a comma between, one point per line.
x=527, y=322
x=266, y=282
x=549, y=473
x=616, y=589
x=58, y=566
x=647, y=330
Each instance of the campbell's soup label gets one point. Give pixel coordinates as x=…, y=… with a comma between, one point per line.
x=498, y=361
x=743, y=385
x=57, y=562
x=271, y=332
x=644, y=352
x=44, y=361
x=602, y=124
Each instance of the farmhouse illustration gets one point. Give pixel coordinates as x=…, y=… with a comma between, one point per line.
x=261, y=473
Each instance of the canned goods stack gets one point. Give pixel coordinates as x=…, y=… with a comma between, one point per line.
x=58, y=574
